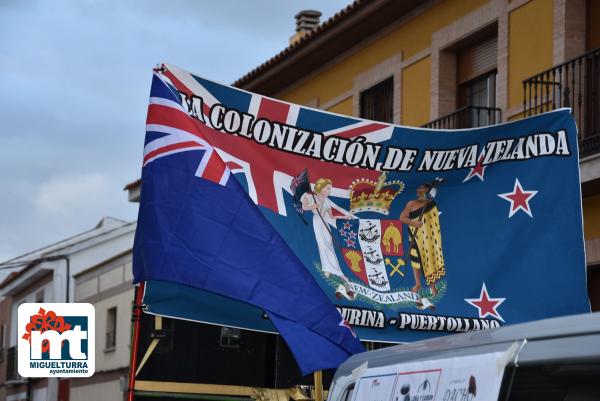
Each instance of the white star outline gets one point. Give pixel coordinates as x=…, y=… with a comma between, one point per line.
x=499, y=301
x=345, y=324
x=513, y=210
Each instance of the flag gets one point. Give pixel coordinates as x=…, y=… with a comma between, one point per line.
x=200, y=228
x=300, y=185
x=336, y=226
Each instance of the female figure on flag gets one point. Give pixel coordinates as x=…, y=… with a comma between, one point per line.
x=422, y=217
x=318, y=202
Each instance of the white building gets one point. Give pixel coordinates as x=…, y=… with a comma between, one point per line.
x=108, y=287
x=47, y=275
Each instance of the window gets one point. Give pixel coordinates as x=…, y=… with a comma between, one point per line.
x=592, y=26
x=480, y=95
x=565, y=380
x=2, y=341
x=480, y=91
x=12, y=365
x=477, y=58
x=230, y=337
x=477, y=82
x=377, y=102
x=111, y=329
x=348, y=393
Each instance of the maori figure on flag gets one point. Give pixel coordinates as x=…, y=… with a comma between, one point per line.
x=422, y=217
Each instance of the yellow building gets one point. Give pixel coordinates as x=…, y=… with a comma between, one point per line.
x=453, y=64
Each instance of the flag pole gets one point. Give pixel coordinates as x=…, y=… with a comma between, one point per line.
x=318, y=376
x=136, y=316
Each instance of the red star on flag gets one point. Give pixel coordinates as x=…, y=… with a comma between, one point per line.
x=486, y=305
x=349, y=243
x=519, y=199
x=477, y=171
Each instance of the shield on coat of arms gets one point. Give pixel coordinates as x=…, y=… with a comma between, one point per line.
x=372, y=249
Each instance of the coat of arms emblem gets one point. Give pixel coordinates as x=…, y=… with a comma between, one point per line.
x=373, y=249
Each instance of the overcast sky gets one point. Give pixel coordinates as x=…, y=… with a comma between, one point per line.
x=75, y=77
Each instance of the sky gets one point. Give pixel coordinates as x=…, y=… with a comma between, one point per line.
x=75, y=78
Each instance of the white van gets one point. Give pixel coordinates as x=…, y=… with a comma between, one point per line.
x=546, y=360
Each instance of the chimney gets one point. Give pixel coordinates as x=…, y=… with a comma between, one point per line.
x=306, y=22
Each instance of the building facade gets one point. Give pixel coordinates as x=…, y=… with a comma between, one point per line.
x=48, y=275
x=5, y=304
x=108, y=287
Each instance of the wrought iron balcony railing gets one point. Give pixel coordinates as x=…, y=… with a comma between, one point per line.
x=467, y=117
x=574, y=83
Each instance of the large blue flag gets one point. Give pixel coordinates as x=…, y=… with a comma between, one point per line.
x=270, y=216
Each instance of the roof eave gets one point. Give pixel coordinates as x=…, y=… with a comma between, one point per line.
x=25, y=278
x=314, y=51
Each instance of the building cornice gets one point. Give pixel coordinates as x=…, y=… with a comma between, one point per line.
x=337, y=35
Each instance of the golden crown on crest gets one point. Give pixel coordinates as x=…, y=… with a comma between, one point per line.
x=374, y=196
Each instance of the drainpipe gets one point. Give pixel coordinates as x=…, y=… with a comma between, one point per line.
x=68, y=261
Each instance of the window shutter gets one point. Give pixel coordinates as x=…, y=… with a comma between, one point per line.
x=377, y=102
x=478, y=59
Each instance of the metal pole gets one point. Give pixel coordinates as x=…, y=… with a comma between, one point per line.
x=136, y=316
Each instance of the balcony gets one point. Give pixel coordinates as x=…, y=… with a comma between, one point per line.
x=574, y=84
x=467, y=117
